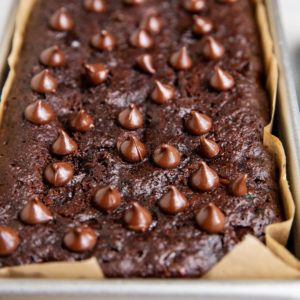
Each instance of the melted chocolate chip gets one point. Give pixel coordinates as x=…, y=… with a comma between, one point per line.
x=134, y=2
x=213, y=50
x=208, y=148
x=39, y=113
x=64, y=145
x=138, y=218
x=131, y=118
x=181, y=60
x=132, y=149
x=9, y=240
x=97, y=6
x=35, y=212
x=96, y=73
x=141, y=39
x=53, y=57
x=61, y=20
x=204, y=179
x=107, y=198
x=198, y=123
x=162, y=93
x=228, y=1
x=166, y=156
x=80, y=239
x=238, y=187
x=173, y=201
x=222, y=80
x=44, y=82
x=145, y=63
x=194, y=6
x=211, y=219
x=59, y=173
x=81, y=121
x=104, y=41
x=202, y=25
x=152, y=23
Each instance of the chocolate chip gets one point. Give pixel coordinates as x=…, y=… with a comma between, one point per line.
x=80, y=239
x=204, y=179
x=52, y=57
x=162, y=93
x=166, y=156
x=61, y=20
x=44, y=82
x=138, y=218
x=131, y=118
x=39, y=113
x=64, y=144
x=9, y=240
x=198, y=123
x=173, y=201
x=35, y=212
x=211, y=219
x=132, y=149
x=59, y=173
x=107, y=198
x=181, y=60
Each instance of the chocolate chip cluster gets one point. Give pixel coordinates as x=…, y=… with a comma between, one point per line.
x=132, y=150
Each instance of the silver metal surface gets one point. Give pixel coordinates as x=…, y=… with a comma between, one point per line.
x=148, y=290
x=288, y=124
x=7, y=19
x=288, y=121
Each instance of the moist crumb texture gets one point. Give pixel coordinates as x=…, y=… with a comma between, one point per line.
x=133, y=133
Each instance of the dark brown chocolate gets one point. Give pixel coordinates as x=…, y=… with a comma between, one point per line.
x=97, y=6
x=132, y=149
x=221, y=80
x=213, y=49
x=194, y=6
x=9, y=240
x=39, y=113
x=35, y=212
x=173, y=245
x=145, y=63
x=204, y=179
x=53, y=57
x=59, y=173
x=81, y=121
x=197, y=123
x=152, y=23
x=173, y=201
x=208, y=148
x=64, y=144
x=211, y=219
x=61, y=20
x=162, y=92
x=181, y=60
x=138, y=218
x=202, y=25
x=96, y=73
x=238, y=187
x=104, y=41
x=44, y=82
x=80, y=239
x=166, y=156
x=141, y=39
x=107, y=198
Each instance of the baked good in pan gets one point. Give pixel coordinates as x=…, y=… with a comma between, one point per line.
x=133, y=133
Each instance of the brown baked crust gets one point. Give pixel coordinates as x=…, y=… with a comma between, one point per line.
x=174, y=246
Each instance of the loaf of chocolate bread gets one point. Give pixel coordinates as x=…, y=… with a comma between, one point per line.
x=133, y=133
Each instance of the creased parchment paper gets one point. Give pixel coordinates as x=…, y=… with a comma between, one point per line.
x=250, y=259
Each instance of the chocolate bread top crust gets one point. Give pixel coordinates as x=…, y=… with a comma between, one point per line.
x=133, y=133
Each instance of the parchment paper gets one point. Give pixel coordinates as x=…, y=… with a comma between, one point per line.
x=250, y=259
